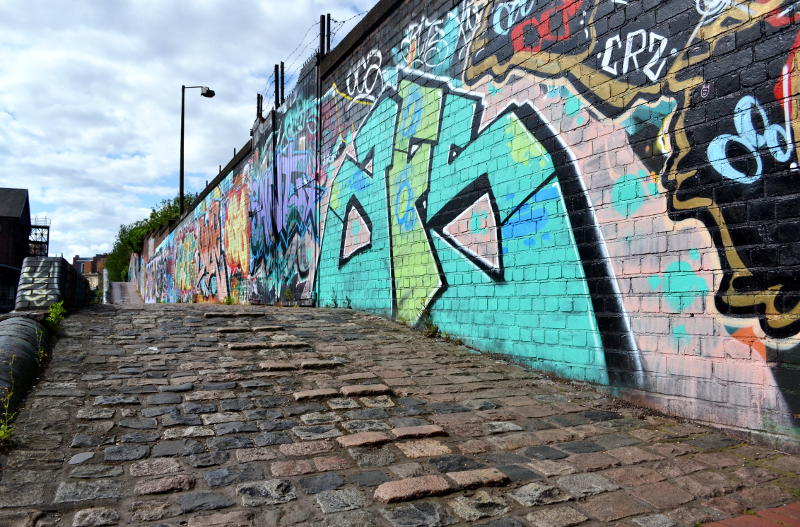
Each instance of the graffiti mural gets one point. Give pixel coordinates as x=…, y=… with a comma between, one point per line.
x=490, y=216
x=206, y=257
x=283, y=206
x=601, y=189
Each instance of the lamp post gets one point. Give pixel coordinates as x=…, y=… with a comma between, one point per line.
x=205, y=91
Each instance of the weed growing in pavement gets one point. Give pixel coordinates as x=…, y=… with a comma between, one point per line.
x=288, y=295
x=451, y=339
x=229, y=301
x=42, y=353
x=6, y=415
x=55, y=315
x=428, y=326
x=426, y=323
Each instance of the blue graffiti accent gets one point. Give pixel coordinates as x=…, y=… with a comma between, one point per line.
x=774, y=137
x=412, y=113
x=406, y=217
x=359, y=181
x=530, y=220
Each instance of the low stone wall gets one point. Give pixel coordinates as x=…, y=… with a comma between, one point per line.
x=45, y=281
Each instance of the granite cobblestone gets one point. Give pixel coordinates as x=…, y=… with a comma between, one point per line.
x=209, y=415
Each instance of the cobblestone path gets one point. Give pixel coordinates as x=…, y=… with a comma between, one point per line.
x=228, y=415
x=125, y=293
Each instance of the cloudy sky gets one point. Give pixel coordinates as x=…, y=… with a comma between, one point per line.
x=90, y=99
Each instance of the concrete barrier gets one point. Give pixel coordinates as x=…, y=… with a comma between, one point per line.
x=45, y=281
x=20, y=339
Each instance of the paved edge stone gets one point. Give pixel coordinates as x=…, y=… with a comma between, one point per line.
x=483, y=477
x=412, y=488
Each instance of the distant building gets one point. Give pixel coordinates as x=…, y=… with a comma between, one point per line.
x=91, y=268
x=15, y=230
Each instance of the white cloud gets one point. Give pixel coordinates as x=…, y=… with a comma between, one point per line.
x=90, y=99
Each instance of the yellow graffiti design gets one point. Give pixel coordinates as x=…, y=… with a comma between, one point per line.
x=357, y=101
x=185, y=263
x=237, y=247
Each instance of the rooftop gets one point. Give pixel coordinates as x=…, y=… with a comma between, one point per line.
x=12, y=202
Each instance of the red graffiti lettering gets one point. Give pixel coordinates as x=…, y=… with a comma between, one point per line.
x=545, y=32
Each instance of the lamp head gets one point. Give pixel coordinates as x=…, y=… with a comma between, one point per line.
x=205, y=91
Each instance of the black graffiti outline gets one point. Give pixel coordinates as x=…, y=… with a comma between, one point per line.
x=354, y=204
x=461, y=202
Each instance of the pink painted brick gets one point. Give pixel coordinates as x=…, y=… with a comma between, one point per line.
x=410, y=432
x=412, y=488
x=291, y=468
x=365, y=389
x=315, y=394
x=362, y=439
x=484, y=477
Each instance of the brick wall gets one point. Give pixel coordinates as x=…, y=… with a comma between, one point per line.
x=604, y=190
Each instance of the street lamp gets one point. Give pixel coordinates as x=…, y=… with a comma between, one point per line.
x=205, y=91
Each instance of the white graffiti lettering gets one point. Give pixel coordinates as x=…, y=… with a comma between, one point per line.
x=636, y=43
x=507, y=14
x=433, y=43
x=364, y=81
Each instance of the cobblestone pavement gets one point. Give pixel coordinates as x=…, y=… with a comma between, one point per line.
x=228, y=415
x=125, y=293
